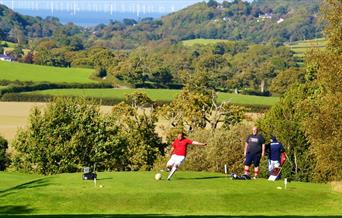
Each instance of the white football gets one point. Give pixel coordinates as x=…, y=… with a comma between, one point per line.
x=158, y=176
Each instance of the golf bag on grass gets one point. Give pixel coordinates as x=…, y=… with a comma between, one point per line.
x=88, y=174
x=276, y=171
x=234, y=176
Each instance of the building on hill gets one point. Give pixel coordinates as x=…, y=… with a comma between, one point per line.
x=4, y=57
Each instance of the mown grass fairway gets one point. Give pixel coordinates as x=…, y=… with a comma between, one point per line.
x=154, y=94
x=137, y=193
x=192, y=42
x=29, y=72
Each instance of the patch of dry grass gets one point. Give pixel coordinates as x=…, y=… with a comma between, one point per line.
x=337, y=186
x=14, y=115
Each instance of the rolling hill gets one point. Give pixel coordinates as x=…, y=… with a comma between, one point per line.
x=13, y=71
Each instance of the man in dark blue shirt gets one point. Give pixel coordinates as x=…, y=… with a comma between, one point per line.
x=254, y=151
x=274, y=150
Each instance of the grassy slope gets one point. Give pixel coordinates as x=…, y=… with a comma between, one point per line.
x=301, y=47
x=29, y=72
x=154, y=94
x=189, y=193
x=9, y=44
x=192, y=42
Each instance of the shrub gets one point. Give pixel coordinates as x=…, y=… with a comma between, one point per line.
x=66, y=136
x=3, y=156
x=224, y=147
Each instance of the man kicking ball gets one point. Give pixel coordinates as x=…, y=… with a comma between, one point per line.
x=178, y=152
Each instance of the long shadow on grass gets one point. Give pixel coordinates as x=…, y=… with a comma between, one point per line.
x=152, y=216
x=202, y=178
x=27, y=185
x=14, y=209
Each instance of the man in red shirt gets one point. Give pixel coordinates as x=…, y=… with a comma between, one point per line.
x=178, y=152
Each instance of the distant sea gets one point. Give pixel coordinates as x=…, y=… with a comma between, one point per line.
x=91, y=13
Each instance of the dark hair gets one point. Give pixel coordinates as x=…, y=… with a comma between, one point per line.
x=273, y=138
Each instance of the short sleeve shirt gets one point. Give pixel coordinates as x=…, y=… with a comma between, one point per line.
x=255, y=143
x=180, y=146
x=275, y=149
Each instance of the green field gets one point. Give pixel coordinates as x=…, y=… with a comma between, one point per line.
x=28, y=72
x=301, y=47
x=137, y=194
x=9, y=44
x=154, y=94
x=192, y=42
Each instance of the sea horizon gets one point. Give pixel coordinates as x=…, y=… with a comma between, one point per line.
x=92, y=13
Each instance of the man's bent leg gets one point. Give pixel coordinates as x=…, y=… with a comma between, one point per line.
x=173, y=170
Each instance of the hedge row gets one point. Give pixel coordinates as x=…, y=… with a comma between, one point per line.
x=28, y=87
x=157, y=86
x=22, y=97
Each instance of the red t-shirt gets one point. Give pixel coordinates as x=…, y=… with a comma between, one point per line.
x=180, y=146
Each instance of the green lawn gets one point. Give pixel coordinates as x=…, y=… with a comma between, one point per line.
x=29, y=72
x=192, y=42
x=137, y=194
x=154, y=94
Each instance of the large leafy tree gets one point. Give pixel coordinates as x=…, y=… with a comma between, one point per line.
x=136, y=120
x=308, y=118
x=64, y=137
x=324, y=125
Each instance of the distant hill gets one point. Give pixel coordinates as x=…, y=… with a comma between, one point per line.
x=259, y=21
x=15, y=27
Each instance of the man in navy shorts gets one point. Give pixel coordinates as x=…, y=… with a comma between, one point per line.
x=254, y=151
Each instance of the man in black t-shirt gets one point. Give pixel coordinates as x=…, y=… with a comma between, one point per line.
x=254, y=151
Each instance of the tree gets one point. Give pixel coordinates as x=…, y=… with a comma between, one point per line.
x=3, y=155
x=308, y=117
x=212, y=4
x=193, y=110
x=65, y=136
x=137, y=125
x=285, y=79
x=323, y=123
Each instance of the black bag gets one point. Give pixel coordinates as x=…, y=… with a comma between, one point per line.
x=242, y=177
x=89, y=176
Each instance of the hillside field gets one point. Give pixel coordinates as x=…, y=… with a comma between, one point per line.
x=154, y=94
x=29, y=72
x=137, y=194
x=192, y=42
x=9, y=44
x=301, y=47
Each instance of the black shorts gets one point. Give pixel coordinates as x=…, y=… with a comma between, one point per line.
x=252, y=158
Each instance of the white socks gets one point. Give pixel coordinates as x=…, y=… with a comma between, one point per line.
x=173, y=170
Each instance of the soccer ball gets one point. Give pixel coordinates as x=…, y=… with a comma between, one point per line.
x=158, y=176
